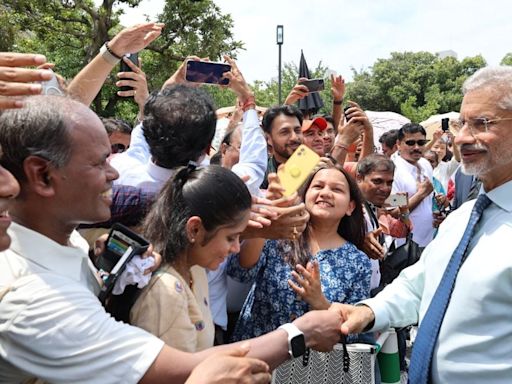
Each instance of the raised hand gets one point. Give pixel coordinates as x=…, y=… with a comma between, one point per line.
x=308, y=285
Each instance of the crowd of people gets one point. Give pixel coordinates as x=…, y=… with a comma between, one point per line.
x=244, y=277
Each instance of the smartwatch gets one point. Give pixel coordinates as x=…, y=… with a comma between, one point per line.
x=296, y=341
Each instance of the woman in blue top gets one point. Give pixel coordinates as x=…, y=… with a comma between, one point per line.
x=325, y=261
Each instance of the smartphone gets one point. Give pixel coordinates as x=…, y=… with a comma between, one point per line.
x=119, y=240
x=51, y=87
x=123, y=67
x=313, y=85
x=445, y=124
x=121, y=246
x=207, y=72
x=396, y=200
x=297, y=168
x=345, y=112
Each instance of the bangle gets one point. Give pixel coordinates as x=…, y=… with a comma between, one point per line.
x=112, y=52
x=342, y=146
x=337, y=102
x=250, y=102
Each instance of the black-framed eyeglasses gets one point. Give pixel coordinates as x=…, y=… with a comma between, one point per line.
x=412, y=143
x=118, y=148
x=480, y=124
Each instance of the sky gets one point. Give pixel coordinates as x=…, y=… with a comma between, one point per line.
x=345, y=34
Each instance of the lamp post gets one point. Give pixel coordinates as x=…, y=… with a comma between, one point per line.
x=279, y=39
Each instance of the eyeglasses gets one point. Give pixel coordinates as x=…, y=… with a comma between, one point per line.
x=480, y=124
x=118, y=148
x=412, y=143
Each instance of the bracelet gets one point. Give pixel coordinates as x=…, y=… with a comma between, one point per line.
x=107, y=56
x=335, y=102
x=404, y=216
x=112, y=52
x=251, y=101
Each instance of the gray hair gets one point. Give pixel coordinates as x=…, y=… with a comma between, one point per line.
x=497, y=77
x=40, y=128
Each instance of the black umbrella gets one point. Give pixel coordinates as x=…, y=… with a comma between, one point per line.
x=312, y=102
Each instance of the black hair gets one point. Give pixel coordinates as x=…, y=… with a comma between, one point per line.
x=272, y=113
x=410, y=128
x=374, y=162
x=116, y=125
x=351, y=228
x=179, y=125
x=215, y=194
x=389, y=138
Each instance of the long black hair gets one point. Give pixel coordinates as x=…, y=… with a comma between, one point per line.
x=215, y=194
x=351, y=228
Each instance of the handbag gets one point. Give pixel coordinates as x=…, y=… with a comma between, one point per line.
x=328, y=367
x=399, y=258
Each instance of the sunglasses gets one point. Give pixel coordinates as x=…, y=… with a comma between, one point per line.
x=118, y=148
x=412, y=143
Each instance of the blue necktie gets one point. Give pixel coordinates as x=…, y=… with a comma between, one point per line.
x=423, y=349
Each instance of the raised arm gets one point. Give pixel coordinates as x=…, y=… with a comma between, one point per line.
x=338, y=93
x=86, y=85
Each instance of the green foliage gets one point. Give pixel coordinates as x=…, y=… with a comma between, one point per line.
x=70, y=33
x=507, y=60
x=414, y=84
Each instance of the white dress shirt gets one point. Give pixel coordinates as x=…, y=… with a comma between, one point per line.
x=475, y=339
x=405, y=180
x=52, y=325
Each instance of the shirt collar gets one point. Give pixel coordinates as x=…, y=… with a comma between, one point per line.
x=41, y=250
x=159, y=173
x=501, y=196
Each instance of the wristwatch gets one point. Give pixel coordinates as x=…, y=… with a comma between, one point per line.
x=296, y=341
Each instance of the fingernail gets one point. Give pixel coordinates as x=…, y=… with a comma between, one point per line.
x=40, y=59
x=18, y=104
x=36, y=88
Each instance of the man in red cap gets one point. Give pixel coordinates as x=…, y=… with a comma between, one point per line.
x=313, y=134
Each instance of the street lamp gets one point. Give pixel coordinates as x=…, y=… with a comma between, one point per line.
x=279, y=40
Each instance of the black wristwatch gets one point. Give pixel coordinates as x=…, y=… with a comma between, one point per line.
x=296, y=341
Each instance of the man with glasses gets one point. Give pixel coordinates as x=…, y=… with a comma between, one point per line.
x=460, y=290
x=413, y=175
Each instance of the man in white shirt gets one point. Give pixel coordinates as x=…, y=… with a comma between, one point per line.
x=52, y=326
x=413, y=174
x=474, y=343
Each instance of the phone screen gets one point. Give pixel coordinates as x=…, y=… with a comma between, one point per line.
x=206, y=72
x=313, y=85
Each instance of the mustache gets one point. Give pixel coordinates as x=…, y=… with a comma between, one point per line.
x=416, y=151
x=473, y=147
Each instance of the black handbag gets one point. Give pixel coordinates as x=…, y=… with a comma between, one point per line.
x=399, y=258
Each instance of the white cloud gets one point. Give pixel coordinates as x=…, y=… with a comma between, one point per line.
x=344, y=34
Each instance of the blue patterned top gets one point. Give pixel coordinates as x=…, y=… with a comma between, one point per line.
x=345, y=274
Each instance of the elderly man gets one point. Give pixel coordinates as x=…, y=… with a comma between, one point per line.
x=460, y=289
x=52, y=325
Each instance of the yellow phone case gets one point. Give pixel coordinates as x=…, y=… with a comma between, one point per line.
x=297, y=168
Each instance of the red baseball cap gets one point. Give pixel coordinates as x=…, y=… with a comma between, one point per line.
x=319, y=121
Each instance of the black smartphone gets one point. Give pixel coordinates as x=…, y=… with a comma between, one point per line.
x=445, y=124
x=119, y=240
x=345, y=112
x=121, y=246
x=207, y=72
x=313, y=85
x=123, y=67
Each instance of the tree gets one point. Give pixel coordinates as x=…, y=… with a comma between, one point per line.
x=70, y=33
x=507, y=60
x=415, y=84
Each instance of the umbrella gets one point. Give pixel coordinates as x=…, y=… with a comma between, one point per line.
x=433, y=123
x=312, y=102
x=383, y=122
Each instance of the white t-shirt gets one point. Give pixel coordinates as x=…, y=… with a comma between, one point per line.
x=52, y=325
x=405, y=180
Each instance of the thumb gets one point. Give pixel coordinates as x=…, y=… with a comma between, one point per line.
x=239, y=350
x=378, y=231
